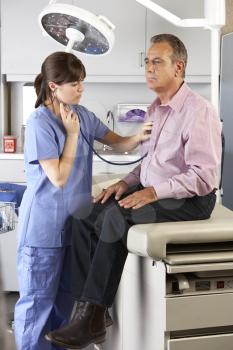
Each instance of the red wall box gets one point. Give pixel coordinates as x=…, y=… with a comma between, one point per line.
x=9, y=144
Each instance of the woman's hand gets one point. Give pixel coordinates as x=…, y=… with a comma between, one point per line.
x=70, y=120
x=145, y=131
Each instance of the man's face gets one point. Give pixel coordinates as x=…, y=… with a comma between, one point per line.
x=161, y=72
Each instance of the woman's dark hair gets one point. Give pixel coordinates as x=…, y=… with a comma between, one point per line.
x=61, y=68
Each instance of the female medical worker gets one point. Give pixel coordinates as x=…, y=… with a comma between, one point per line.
x=58, y=165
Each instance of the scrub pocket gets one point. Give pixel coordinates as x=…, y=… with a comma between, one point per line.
x=41, y=269
x=44, y=224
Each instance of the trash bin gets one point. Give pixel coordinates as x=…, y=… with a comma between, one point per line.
x=7, y=217
x=10, y=199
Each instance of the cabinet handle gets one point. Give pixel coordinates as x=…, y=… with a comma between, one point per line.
x=141, y=59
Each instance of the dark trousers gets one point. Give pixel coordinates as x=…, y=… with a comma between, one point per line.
x=99, y=240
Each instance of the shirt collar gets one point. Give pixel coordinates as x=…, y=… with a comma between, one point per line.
x=176, y=102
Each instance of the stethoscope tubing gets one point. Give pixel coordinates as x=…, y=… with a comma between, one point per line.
x=108, y=161
x=100, y=157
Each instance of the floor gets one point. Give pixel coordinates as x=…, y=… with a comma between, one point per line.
x=10, y=299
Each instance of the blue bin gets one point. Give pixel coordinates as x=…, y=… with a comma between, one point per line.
x=12, y=193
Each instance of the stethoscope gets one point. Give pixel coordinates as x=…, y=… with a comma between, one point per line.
x=103, y=159
x=92, y=148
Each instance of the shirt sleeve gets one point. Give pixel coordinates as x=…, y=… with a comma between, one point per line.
x=202, y=155
x=40, y=141
x=133, y=178
x=100, y=128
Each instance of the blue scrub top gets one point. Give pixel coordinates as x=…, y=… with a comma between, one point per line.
x=45, y=209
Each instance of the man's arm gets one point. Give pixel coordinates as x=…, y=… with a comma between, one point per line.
x=133, y=178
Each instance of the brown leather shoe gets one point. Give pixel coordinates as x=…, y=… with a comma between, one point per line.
x=80, y=304
x=108, y=319
x=88, y=326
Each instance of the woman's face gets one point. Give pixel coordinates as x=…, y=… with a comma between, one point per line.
x=69, y=93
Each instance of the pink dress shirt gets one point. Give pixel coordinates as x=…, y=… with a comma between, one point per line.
x=184, y=151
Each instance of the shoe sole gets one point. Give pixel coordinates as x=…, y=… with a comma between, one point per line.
x=99, y=340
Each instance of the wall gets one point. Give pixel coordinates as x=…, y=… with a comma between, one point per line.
x=228, y=28
x=99, y=98
x=2, y=93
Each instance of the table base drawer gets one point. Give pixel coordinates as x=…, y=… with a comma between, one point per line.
x=192, y=312
x=213, y=342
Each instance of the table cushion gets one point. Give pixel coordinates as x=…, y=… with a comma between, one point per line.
x=152, y=239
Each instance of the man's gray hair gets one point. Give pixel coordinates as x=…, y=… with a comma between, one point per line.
x=178, y=47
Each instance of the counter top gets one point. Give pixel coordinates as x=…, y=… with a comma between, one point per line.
x=118, y=157
x=11, y=156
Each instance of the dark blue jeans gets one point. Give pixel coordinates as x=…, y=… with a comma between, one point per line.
x=99, y=241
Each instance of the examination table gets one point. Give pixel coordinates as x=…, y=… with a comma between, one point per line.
x=176, y=291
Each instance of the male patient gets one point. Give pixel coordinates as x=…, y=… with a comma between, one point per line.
x=176, y=181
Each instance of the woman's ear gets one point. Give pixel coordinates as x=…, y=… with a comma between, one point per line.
x=52, y=86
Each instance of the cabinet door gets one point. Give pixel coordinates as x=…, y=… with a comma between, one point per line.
x=129, y=19
x=196, y=40
x=24, y=47
x=12, y=170
x=105, y=169
x=8, y=247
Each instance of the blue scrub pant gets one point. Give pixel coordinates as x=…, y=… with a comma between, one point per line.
x=45, y=301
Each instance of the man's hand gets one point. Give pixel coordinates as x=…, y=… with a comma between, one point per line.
x=140, y=198
x=118, y=188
